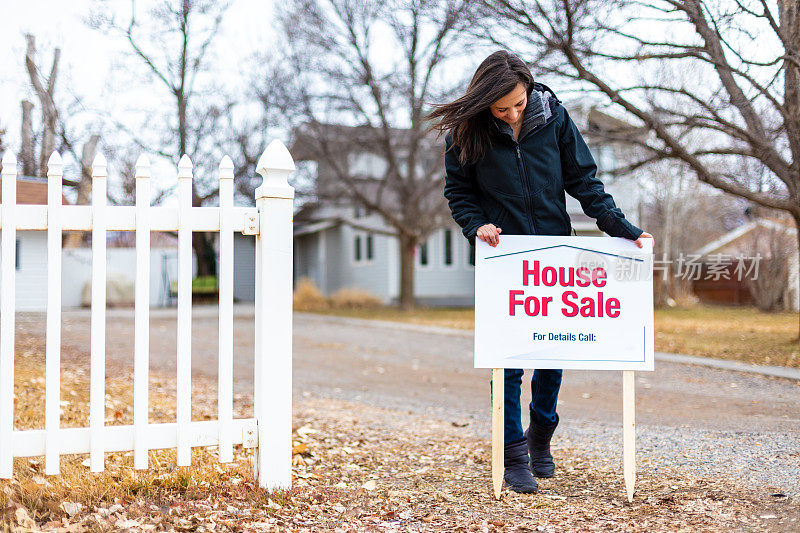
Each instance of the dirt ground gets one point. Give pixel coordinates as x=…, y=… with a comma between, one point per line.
x=391, y=435
x=357, y=468
x=429, y=373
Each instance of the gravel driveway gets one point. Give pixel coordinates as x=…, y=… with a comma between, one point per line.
x=709, y=421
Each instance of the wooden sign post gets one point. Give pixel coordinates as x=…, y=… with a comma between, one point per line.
x=551, y=302
x=628, y=433
x=498, y=393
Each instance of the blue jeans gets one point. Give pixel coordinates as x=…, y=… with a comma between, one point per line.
x=544, y=391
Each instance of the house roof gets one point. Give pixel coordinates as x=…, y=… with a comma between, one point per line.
x=315, y=227
x=598, y=121
x=305, y=145
x=31, y=190
x=738, y=233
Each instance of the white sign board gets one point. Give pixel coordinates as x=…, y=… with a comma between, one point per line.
x=564, y=302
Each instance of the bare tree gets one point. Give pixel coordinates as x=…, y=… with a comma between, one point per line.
x=685, y=214
x=54, y=134
x=353, y=101
x=729, y=72
x=769, y=289
x=84, y=188
x=173, y=42
x=27, y=151
x=45, y=90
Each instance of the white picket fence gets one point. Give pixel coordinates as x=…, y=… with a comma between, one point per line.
x=269, y=431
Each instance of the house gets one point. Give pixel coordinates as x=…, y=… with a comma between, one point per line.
x=339, y=244
x=76, y=263
x=76, y=266
x=31, y=257
x=715, y=278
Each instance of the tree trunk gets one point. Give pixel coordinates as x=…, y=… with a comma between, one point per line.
x=45, y=94
x=666, y=248
x=26, y=151
x=206, y=255
x=75, y=238
x=408, y=244
x=48, y=142
x=796, y=217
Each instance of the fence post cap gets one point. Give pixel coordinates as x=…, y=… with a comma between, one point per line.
x=142, y=169
x=54, y=164
x=226, y=168
x=99, y=166
x=275, y=157
x=9, y=163
x=275, y=165
x=185, y=167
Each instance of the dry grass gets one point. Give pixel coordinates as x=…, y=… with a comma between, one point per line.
x=741, y=333
x=355, y=468
x=738, y=333
x=361, y=469
x=307, y=297
x=161, y=487
x=354, y=298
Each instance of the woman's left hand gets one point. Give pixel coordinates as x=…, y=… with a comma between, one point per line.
x=644, y=235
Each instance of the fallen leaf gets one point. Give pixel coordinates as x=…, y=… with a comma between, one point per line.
x=71, y=508
x=23, y=518
x=369, y=485
x=300, y=448
x=306, y=430
x=124, y=523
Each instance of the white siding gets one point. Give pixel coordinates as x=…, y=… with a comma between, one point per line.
x=31, y=289
x=440, y=283
x=77, y=271
x=244, y=267
x=342, y=270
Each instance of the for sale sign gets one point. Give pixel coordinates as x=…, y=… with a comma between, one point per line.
x=564, y=302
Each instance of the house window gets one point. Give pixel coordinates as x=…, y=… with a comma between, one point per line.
x=447, y=235
x=358, y=212
x=367, y=165
x=604, y=158
x=363, y=248
x=423, y=254
x=16, y=256
x=368, y=241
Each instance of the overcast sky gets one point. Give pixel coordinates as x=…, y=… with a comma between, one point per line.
x=87, y=55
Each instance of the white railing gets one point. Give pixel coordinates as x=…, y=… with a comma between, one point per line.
x=269, y=431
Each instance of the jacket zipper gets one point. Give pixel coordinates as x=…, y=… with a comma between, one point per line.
x=523, y=174
x=524, y=179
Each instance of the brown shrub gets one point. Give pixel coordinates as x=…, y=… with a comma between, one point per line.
x=354, y=298
x=307, y=297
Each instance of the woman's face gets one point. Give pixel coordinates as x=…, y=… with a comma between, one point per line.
x=510, y=107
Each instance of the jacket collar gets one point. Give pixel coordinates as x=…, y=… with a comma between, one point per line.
x=540, y=107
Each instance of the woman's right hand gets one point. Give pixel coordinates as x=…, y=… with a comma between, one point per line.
x=490, y=234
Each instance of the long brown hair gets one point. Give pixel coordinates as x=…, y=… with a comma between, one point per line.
x=469, y=117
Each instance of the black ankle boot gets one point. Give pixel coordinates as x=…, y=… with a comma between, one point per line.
x=538, y=439
x=517, y=473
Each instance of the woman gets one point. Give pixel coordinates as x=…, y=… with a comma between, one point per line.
x=512, y=151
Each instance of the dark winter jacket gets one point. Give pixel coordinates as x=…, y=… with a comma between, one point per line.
x=519, y=185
